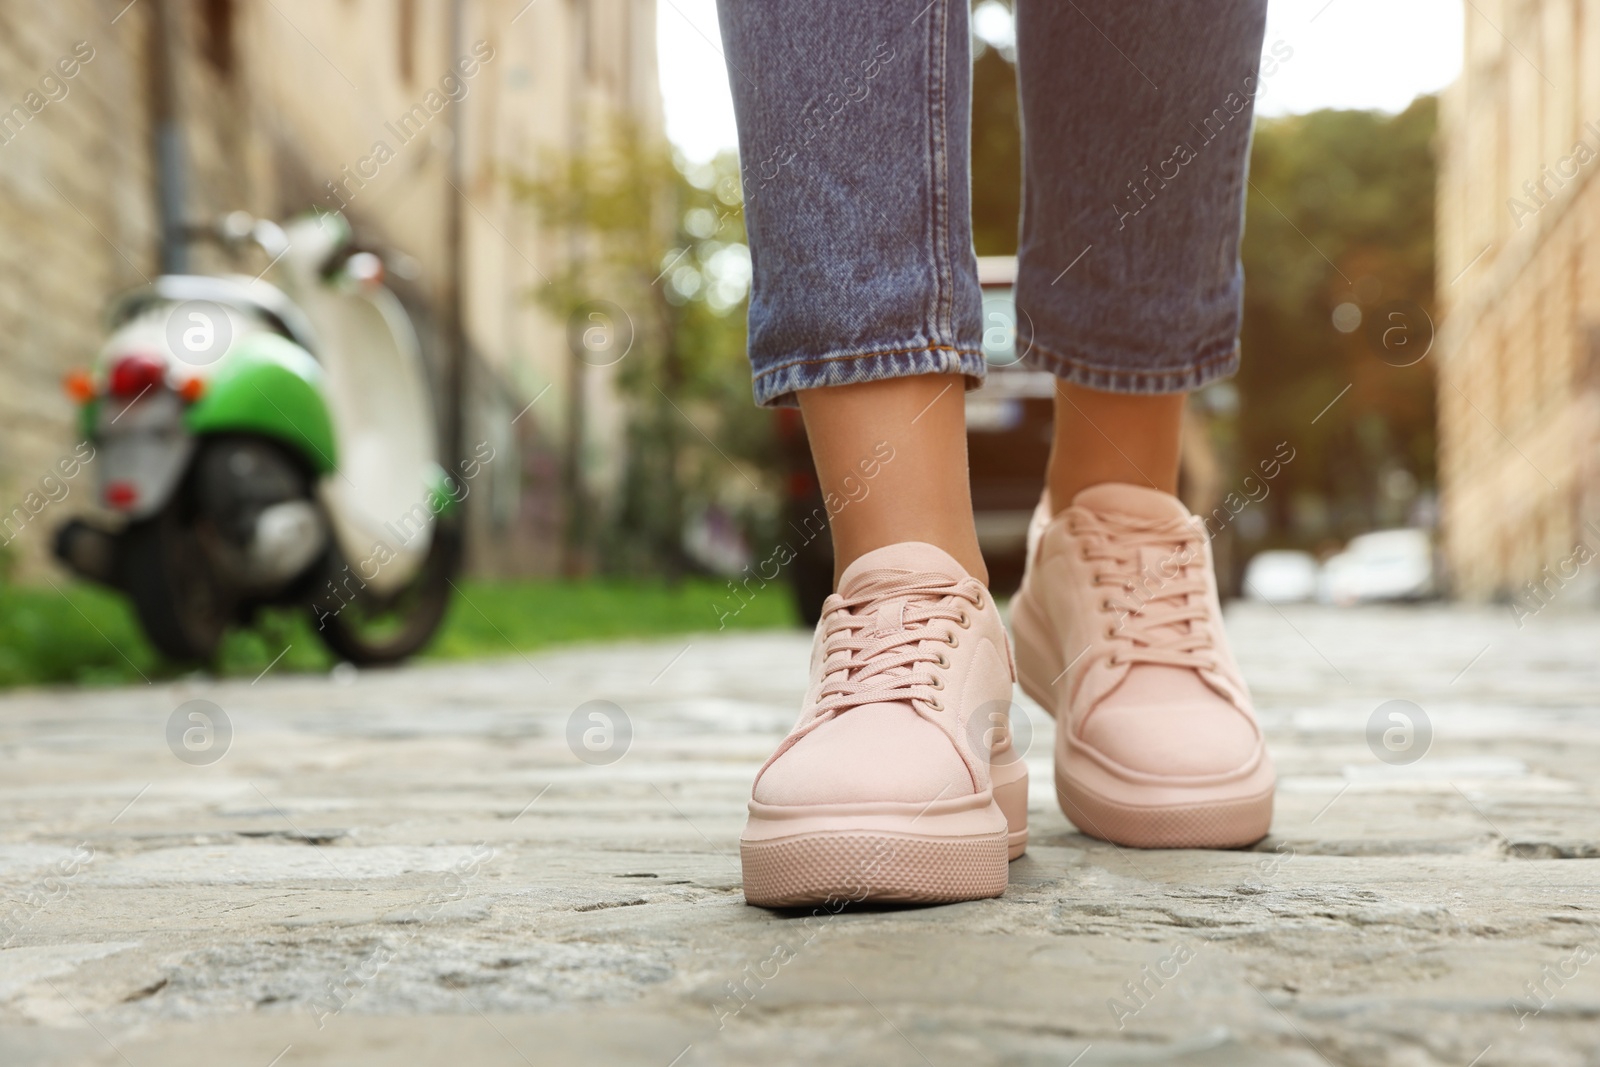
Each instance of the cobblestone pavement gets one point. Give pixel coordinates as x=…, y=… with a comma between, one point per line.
x=415, y=867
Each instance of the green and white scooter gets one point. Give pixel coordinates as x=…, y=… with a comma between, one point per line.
x=269, y=442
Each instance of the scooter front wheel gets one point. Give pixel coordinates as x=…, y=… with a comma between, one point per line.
x=370, y=631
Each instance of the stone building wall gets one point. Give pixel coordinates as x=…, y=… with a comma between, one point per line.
x=1519, y=279
x=78, y=224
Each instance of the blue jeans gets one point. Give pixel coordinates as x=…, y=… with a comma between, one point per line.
x=854, y=144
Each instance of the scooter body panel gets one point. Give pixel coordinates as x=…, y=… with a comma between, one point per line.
x=271, y=386
x=144, y=451
x=386, y=502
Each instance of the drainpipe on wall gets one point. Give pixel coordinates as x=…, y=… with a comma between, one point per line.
x=575, y=557
x=455, y=253
x=167, y=127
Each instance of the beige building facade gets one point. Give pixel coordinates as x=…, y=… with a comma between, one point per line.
x=290, y=105
x=1519, y=282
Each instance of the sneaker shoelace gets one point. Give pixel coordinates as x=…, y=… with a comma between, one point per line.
x=1161, y=616
x=868, y=665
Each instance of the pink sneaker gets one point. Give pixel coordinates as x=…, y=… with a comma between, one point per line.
x=1119, y=636
x=899, y=782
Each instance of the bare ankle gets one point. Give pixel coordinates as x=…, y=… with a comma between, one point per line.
x=911, y=434
x=1113, y=437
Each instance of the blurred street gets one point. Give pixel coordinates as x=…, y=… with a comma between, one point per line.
x=418, y=863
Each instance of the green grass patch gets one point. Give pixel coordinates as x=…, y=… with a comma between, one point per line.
x=81, y=634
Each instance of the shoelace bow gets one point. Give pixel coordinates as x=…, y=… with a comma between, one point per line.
x=1158, y=613
x=866, y=667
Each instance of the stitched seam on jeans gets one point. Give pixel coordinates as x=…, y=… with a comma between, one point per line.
x=869, y=355
x=1121, y=372
x=944, y=267
x=929, y=171
x=936, y=302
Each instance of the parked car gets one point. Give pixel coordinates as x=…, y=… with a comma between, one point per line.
x=1385, y=565
x=1281, y=576
x=1008, y=446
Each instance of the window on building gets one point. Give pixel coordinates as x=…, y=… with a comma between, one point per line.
x=216, y=29
x=586, y=43
x=406, y=40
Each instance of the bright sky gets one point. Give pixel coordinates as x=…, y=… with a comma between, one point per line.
x=1347, y=54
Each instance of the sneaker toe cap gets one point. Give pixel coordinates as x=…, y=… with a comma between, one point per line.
x=877, y=752
x=1177, y=739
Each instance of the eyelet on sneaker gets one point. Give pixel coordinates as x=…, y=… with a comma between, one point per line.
x=965, y=622
x=978, y=603
x=951, y=639
x=1111, y=632
x=938, y=682
x=936, y=704
x=942, y=661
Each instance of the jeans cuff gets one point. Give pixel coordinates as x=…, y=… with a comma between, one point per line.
x=775, y=387
x=1213, y=364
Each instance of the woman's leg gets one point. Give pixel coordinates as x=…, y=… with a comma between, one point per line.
x=1129, y=291
x=1133, y=199
x=853, y=131
x=853, y=135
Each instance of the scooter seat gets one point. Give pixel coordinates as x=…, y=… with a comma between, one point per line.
x=249, y=295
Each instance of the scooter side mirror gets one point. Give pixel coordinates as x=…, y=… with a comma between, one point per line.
x=365, y=269
x=270, y=237
x=236, y=226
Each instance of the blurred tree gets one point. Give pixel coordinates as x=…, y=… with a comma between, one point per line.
x=662, y=266
x=1338, y=256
